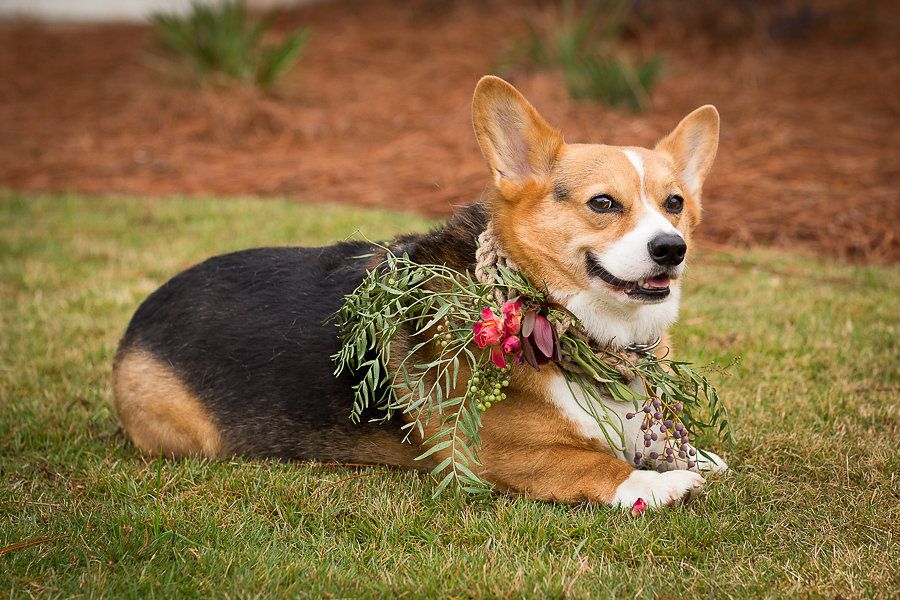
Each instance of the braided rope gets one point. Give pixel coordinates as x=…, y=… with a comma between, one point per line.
x=489, y=255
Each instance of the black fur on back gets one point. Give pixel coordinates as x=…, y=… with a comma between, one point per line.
x=246, y=334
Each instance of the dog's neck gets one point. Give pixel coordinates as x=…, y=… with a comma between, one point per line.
x=617, y=325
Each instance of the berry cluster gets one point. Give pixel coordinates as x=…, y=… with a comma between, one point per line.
x=443, y=335
x=676, y=440
x=487, y=384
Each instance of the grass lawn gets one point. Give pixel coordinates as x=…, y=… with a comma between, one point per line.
x=811, y=507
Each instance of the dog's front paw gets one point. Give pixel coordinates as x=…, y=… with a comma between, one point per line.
x=713, y=464
x=658, y=489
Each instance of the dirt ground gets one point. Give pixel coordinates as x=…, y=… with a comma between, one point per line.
x=377, y=113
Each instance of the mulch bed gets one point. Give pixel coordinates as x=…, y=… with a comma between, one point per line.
x=378, y=113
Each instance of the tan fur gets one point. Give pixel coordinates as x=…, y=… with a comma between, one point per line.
x=158, y=413
x=528, y=447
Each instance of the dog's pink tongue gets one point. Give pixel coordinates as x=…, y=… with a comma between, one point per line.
x=660, y=281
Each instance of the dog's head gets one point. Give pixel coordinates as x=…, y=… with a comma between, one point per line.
x=606, y=228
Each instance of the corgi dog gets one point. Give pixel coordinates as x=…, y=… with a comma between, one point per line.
x=233, y=356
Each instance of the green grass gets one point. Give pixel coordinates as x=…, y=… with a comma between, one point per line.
x=811, y=507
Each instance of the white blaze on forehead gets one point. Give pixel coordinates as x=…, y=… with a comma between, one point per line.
x=638, y=163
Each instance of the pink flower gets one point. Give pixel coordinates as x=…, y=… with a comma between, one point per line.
x=512, y=345
x=497, y=357
x=489, y=331
x=512, y=317
x=638, y=507
x=500, y=334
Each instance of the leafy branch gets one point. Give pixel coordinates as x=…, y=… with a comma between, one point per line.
x=426, y=313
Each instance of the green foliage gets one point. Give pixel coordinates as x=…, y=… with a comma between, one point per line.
x=584, y=43
x=400, y=296
x=222, y=39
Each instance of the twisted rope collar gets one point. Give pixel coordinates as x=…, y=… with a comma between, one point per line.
x=488, y=257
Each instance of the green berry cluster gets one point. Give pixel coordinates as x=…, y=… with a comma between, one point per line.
x=443, y=336
x=487, y=385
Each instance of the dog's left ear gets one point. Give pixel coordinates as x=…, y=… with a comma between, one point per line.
x=516, y=141
x=692, y=145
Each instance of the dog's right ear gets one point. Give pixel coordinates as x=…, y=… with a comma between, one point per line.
x=516, y=141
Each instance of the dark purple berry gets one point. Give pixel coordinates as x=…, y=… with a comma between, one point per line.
x=653, y=456
x=684, y=447
x=643, y=427
x=629, y=415
x=661, y=468
x=692, y=452
x=647, y=443
x=679, y=427
x=668, y=423
x=653, y=437
x=670, y=458
x=637, y=457
x=657, y=416
x=647, y=436
x=647, y=409
x=663, y=429
x=656, y=404
x=682, y=454
x=691, y=464
x=679, y=407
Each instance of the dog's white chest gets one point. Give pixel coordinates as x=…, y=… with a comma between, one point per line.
x=603, y=421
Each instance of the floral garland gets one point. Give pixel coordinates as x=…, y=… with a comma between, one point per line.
x=458, y=324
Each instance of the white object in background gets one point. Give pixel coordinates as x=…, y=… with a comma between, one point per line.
x=112, y=10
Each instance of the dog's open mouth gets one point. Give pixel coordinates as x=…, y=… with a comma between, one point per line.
x=649, y=289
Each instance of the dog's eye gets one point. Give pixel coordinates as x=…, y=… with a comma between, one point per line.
x=603, y=204
x=674, y=204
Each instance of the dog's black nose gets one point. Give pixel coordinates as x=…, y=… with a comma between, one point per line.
x=667, y=249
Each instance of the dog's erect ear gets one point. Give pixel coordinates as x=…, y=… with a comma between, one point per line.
x=516, y=141
x=692, y=145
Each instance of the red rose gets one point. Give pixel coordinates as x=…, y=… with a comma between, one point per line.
x=489, y=331
x=512, y=317
x=512, y=345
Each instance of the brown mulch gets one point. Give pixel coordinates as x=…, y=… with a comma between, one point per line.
x=378, y=113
